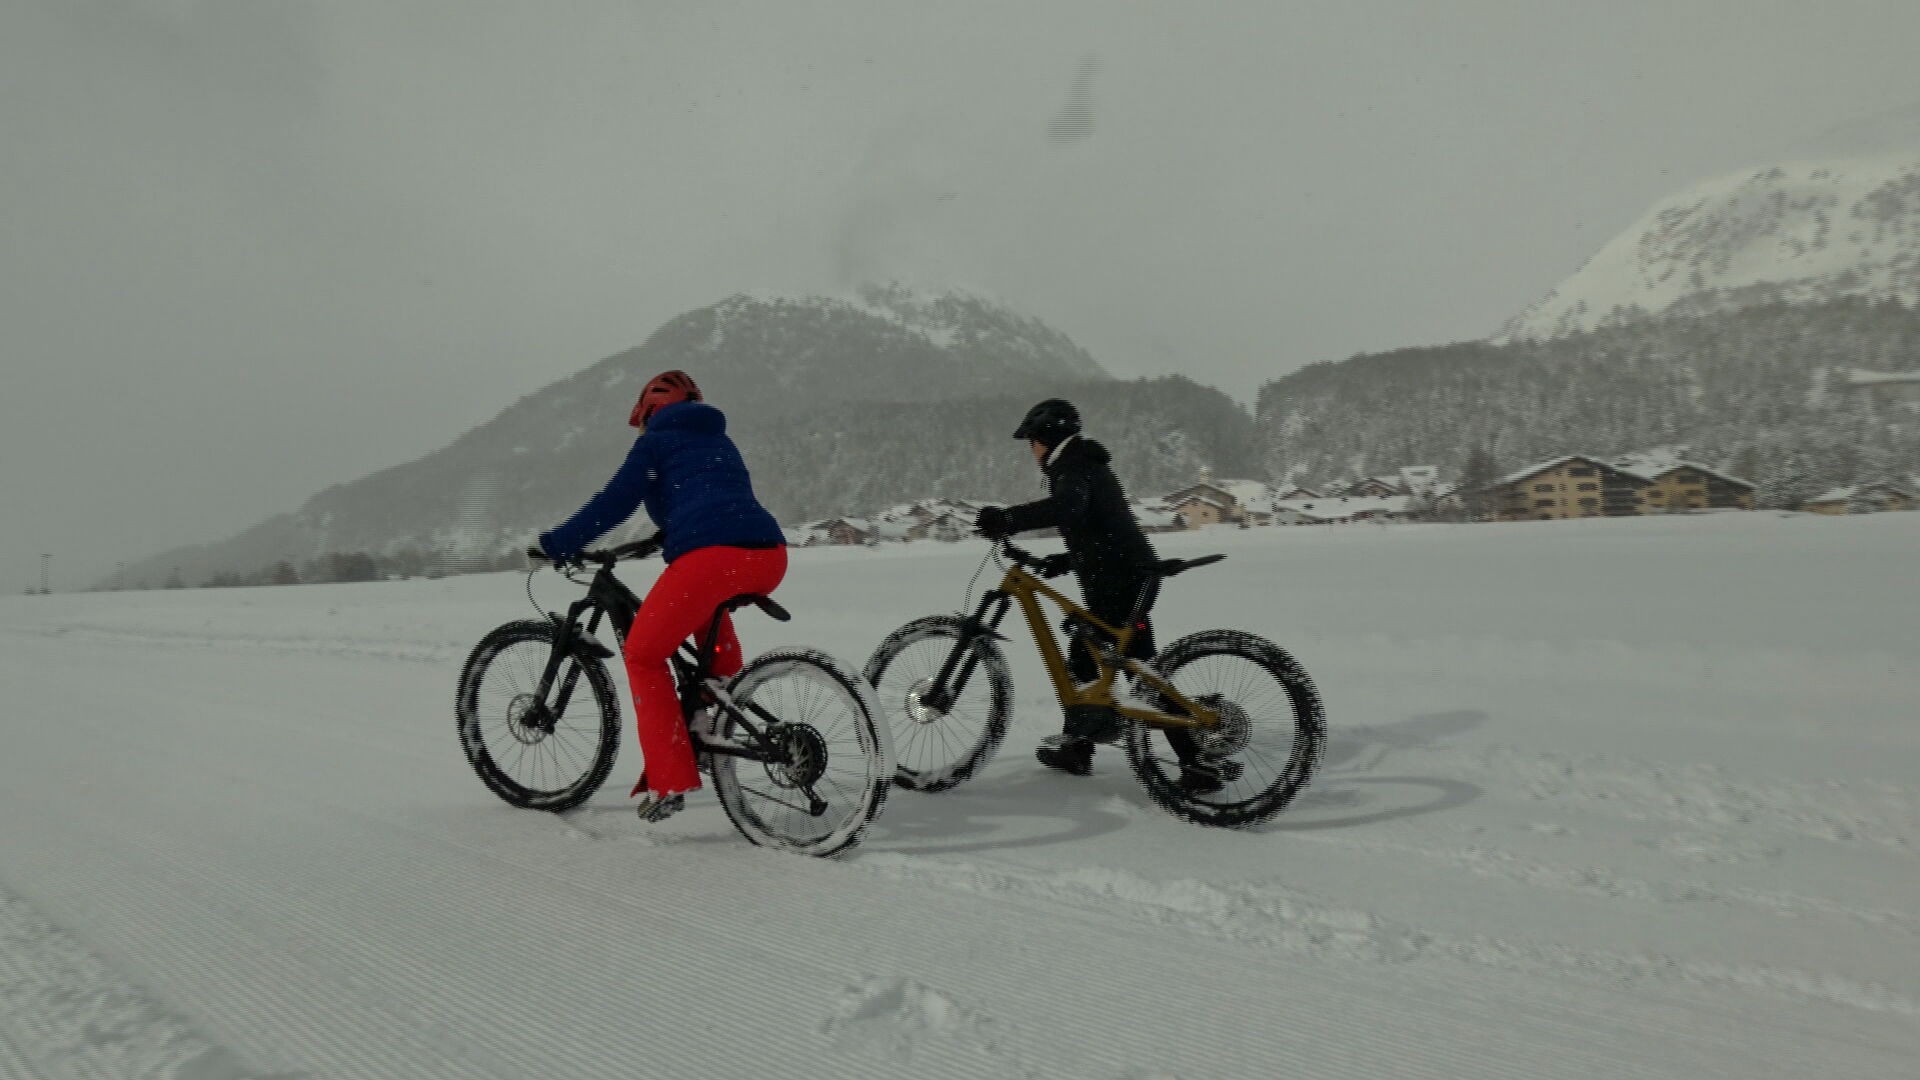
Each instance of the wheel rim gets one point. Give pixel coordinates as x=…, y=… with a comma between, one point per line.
x=928, y=741
x=819, y=728
x=542, y=753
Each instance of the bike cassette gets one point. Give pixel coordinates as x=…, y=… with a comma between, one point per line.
x=1230, y=736
x=805, y=754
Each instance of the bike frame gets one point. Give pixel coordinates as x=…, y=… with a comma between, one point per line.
x=608, y=597
x=1107, y=643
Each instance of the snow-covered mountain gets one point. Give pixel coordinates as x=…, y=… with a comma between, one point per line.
x=841, y=405
x=1806, y=231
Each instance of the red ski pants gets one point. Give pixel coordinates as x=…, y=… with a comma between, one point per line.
x=678, y=607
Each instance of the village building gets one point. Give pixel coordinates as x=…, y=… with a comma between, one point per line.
x=1574, y=486
x=1417, y=480
x=1879, y=497
x=1678, y=485
x=1342, y=510
x=1157, y=517
x=844, y=531
x=1219, y=502
x=948, y=527
x=1373, y=487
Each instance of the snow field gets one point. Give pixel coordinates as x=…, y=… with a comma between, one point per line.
x=1618, y=798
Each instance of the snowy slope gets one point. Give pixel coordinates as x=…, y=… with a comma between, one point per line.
x=1802, y=231
x=1602, y=799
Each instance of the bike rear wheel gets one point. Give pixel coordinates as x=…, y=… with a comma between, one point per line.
x=937, y=748
x=1273, y=734
x=824, y=721
x=526, y=751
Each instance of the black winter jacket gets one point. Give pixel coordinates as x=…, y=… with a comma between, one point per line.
x=1085, y=503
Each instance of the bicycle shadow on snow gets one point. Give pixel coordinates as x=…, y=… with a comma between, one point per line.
x=995, y=812
x=1346, y=781
x=1018, y=804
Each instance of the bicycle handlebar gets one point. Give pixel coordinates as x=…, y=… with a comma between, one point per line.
x=1041, y=566
x=639, y=549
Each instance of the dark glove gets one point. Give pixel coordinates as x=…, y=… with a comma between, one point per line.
x=994, y=523
x=538, y=553
x=1056, y=564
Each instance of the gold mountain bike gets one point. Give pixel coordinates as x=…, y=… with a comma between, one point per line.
x=1224, y=706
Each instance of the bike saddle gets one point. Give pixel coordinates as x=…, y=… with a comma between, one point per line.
x=764, y=603
x=1170, y=567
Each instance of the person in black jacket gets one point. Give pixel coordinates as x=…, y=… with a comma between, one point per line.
x=1107, y=551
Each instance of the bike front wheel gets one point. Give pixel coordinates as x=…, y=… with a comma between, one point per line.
x=834, y=763
x=1272, y=733
x=940, y=743
x=536, y=753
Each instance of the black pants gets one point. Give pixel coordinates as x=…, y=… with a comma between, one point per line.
x=1111, y=598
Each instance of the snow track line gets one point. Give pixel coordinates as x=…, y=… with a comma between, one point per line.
x=1440, y=1057
x=403, y=650
x=85, y=1019
x=797, y=957
x=1290, y=922
x=1602, y=882
x=414, y=920
x=407, y=880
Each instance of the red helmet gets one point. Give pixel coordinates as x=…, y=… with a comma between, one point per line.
x=666, y=388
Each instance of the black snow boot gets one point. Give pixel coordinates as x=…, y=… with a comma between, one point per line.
x=1067, y=754
x=1205, y=779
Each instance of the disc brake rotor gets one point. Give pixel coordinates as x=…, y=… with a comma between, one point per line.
x=528, y=719
x=918, y=709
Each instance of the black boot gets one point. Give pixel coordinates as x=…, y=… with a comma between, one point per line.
x=1067, y=754
x=1205, y=779
x=1094, y=723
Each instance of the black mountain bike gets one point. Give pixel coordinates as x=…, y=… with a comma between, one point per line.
x=1225, y=708
x=793, y=747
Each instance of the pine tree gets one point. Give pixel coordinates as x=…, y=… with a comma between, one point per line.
x=1477, y=475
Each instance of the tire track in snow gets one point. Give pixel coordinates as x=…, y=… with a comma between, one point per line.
x=1603, y=882
x=1291, y=921
x=1859, y=814
x=1349, y=1012
x=68, y=1015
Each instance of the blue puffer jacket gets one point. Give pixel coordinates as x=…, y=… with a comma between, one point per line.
x=695, y=487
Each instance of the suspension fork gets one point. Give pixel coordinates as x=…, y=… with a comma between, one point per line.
x=963, y=661
x=571, y=637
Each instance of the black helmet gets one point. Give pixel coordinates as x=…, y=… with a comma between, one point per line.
x=1049, y=422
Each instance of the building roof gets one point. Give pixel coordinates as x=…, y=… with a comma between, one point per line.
x=1343, y=506
x=1653, y=468
x=1244, y=491
x=1222, y=505
x=1534, y=470
x=1841, y=494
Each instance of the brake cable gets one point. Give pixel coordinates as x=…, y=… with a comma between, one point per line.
x=993, y=553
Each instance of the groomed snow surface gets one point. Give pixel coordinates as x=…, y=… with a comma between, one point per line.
x=1633, y=798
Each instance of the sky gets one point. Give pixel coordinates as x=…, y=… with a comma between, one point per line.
x=248, y=250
